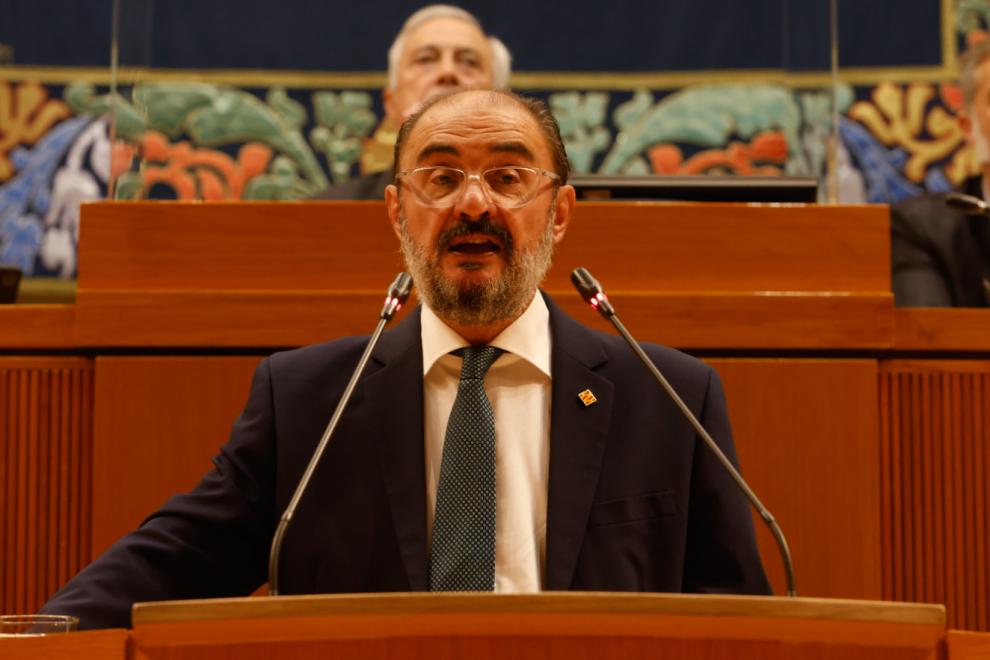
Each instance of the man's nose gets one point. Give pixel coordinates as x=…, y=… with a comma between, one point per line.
x=447, y=72
x=474, y=202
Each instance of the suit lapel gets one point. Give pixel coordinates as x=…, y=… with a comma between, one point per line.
x=577, y=442
x=395, y=395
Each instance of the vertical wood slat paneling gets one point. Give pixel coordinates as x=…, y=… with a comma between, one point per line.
x=45, y=465
x=934, y=501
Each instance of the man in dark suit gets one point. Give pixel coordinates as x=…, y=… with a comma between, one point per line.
x=596, y=481
x=439, y=47
x=940, y=257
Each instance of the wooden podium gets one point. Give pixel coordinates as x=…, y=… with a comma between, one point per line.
x=601, y=626
x=575, y=626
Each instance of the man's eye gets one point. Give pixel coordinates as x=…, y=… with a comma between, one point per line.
x=504, y=178
x=425, y=58
x=443, y=179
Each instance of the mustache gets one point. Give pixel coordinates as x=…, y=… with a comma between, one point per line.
x=468, y=227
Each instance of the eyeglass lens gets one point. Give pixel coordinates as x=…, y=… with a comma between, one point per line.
x=506, y=186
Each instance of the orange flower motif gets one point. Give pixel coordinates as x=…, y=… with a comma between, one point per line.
x=736, y=158
x=26, y=113
x=204, y=174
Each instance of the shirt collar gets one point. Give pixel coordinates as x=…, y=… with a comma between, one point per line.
x=528, y=337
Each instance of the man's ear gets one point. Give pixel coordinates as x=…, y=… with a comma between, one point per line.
x=388, y=105
x=392, y=203
x=565, y=209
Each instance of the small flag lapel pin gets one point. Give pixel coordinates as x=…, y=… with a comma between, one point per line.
x=587, y=398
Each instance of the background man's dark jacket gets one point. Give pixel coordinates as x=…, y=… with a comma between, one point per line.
x=940, y=257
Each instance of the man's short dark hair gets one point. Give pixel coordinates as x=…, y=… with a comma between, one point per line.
x=539, y=111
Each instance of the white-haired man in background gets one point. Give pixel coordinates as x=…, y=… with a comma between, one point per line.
x=439, y=47
x=940, y=256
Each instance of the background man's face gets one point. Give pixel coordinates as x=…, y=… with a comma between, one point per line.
x=442, y=53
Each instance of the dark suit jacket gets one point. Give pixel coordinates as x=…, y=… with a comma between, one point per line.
x=939, y=256
x=636, y=501
x=367, y=187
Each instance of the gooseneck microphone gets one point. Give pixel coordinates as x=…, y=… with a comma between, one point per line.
x=592, y=293
x=397, y=294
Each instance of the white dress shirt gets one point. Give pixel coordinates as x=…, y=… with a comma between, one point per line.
x=518, y=386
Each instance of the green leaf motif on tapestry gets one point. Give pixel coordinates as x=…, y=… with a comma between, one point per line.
x=129, y=123
x=281, y=183
x=213, y=115
x=581, y=118
x=343, y=121
x=706, y=115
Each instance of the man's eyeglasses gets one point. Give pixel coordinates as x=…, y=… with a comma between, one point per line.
x=505, y=187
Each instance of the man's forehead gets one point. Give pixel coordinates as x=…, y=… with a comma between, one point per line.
x=508, y=146
x=447, y=31
x=477, y=120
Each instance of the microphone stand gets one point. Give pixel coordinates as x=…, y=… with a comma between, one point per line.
x=592, y=293
x=397, y=294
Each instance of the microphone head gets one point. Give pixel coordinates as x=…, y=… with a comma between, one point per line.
x=586, y=285
x=591, y=291
x=398, y=293
x=401, y=287
x=966, y=203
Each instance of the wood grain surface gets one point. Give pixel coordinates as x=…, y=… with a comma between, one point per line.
x=158, y=423
x=538, y=626
x=930, y=329
x=45, y=471
x=351, y=246
x=935, y=467
x=37, y=326
x=806, y=435
x=87, y=645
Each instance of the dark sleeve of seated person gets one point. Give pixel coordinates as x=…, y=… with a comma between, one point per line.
x=940, y=257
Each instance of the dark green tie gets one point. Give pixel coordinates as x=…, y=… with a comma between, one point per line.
x=463, y=557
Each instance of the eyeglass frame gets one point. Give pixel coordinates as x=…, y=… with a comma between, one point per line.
x=484, y=185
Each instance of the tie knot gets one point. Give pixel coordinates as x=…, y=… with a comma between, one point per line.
x=477, y=360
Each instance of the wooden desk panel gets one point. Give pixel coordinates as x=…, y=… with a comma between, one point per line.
x=288, y=319
x=930, y=329
x=37, y=326
x=237, y=246
x=962, y=645
x=649, y=246
x=806, y=435
x=554, y=625
x=45, y=469
x=85, y=645
x=327, y=246
x=158, y=423
x=935, y=467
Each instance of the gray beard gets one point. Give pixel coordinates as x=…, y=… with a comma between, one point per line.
x=479, y=304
